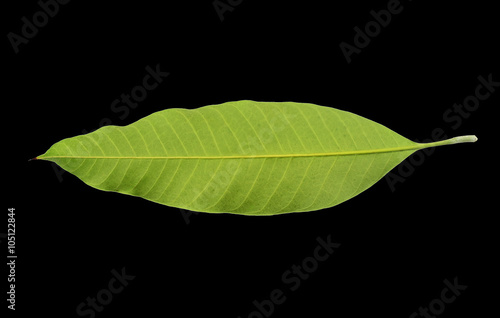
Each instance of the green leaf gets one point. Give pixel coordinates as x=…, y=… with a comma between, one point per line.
x=245, y=157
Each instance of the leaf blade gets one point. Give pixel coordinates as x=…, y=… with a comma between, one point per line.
x=246, y=157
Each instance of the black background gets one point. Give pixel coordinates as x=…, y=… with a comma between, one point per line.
x=397, y=247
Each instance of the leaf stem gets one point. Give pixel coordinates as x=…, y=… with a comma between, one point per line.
x=451, y=141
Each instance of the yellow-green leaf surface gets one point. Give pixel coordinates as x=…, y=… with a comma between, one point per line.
x=244, y=157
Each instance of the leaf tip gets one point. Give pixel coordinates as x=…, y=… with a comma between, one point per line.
x=41, y=157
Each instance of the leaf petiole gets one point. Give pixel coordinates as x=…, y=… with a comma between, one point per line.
x=451, y=141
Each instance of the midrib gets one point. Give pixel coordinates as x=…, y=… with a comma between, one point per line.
x=318, y=154
x=416, y=146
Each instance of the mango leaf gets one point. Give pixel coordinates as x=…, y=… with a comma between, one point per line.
x=244, y=157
